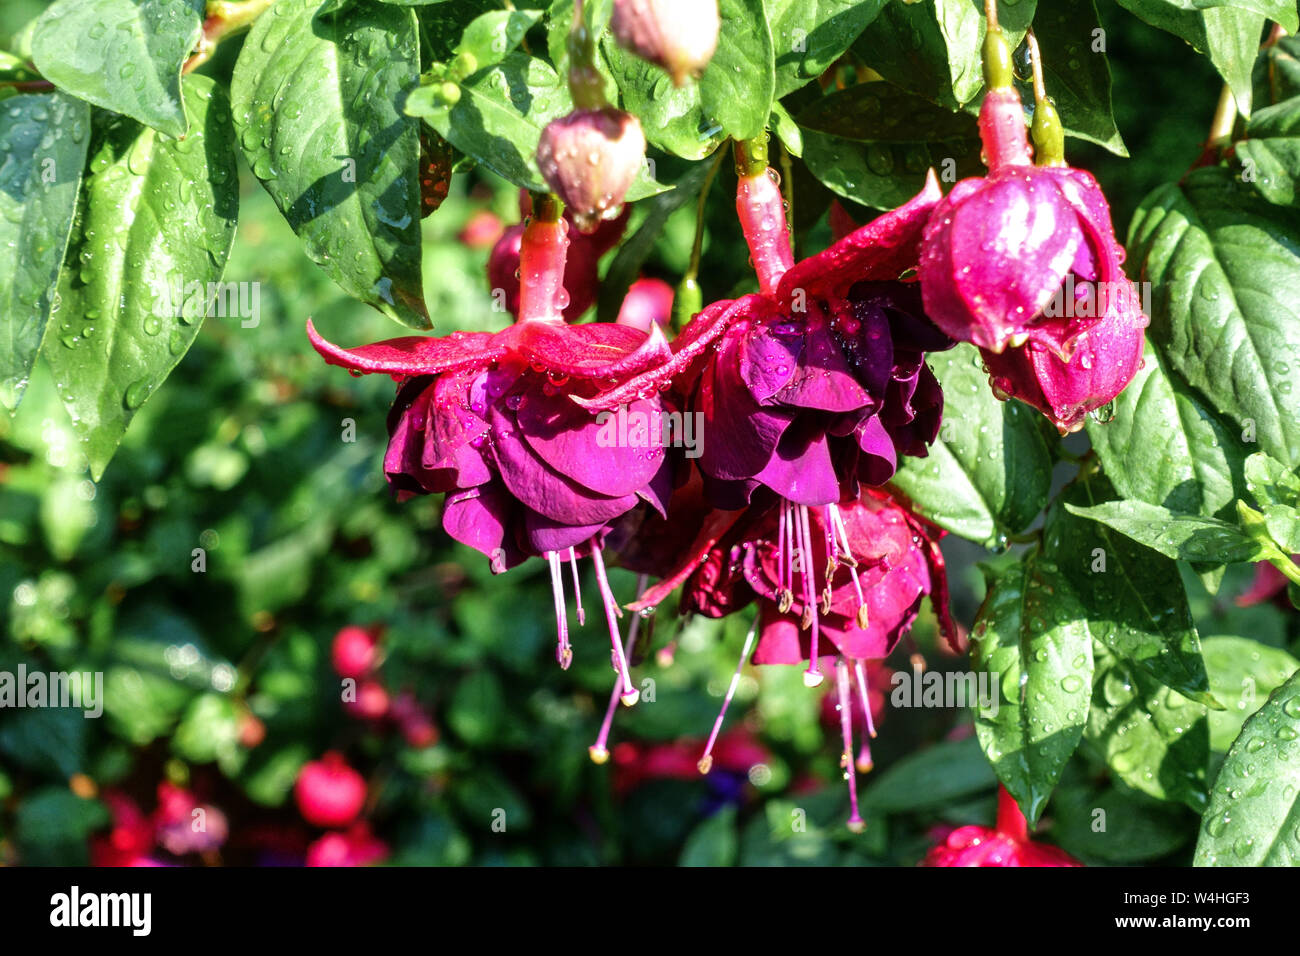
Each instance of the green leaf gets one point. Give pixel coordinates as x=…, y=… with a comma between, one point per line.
x=1270, y=152
x=737, y=88
x=156, y=227
x=881, y=112
x=786, y=130
x=1254, y=814
x=989, y=473
x=1032, y=643
x=1116, y=825
x=883, y=175
x=932, y=777
x=1132, y=598
x=1153, y=738
x=123, y=55
x=442, y=22
x=1228, y=35
x=1242, y=674
x=1183, y=537
x=316, y=94
x=810, y=35
x=42, y=151
x=491, y=36
x=1221, y=262
x=52, y=825
x=714, y=842
x=209, y=730
x=1166, y=447
x=477, y=708
x=1075, y=72
x=933, y=49
x=733, y=98
x=1277, y=491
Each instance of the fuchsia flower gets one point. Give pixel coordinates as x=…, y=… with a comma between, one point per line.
x=1007, y=844
x=1024, y=264
x=648, y=302
x=491, y=421
x=590, y=158
x=356, y=846
x=875, y=561
x=998, y=249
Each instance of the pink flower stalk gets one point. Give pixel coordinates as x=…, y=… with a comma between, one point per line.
x=1007, y=844
x=678, y=35
x=494, y=422
x=581, y=267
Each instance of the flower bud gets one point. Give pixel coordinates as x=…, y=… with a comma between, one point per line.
x=590, y=158
x=1104, y=361
x=677, y=35
x=648, y=302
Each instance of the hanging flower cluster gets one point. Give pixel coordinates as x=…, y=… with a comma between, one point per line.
x=562, y=441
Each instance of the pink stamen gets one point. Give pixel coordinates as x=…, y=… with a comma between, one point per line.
x=563, y=651
x=577, y=591
x=838, y=523
x=864, y=696
x=846, y=729
x=812, y=676
x=599, y=751
x=629, y=694
x=706, y=762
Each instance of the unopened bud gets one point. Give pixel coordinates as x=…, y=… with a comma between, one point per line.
x=678, y=35
x=590, y=158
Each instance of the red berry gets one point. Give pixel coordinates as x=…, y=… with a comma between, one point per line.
x=329, y=792
x=354, y=652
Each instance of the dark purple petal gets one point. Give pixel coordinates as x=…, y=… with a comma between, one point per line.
x=615, y=455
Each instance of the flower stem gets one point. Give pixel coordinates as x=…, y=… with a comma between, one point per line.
x=1225, y=118
x=762, y=215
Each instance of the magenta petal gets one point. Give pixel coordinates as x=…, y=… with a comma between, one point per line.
x=1013, y=244
x=411, y=354
x=614, y=457
x=825, y=379
x=596, y=350
x=739, y=435
x=479, y=518
x=545, y=534
x=543, y=489
x=767, y=355
x=878, y=459
x=801, y=470
x=778, y=639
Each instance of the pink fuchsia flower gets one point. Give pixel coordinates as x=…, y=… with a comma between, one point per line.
x=493, y=421
x=1007, y=844
x=1103, y=358
x=854, y=572
x=329, y=793
x=354, y=651
x=648, y=302
x=183, y=825
x=818, y=378
x=589, y=159
x=131, y=838
x=999, y=249
x=481, y=230
x=734, y=752
x=678, y=35
x=356, y=846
